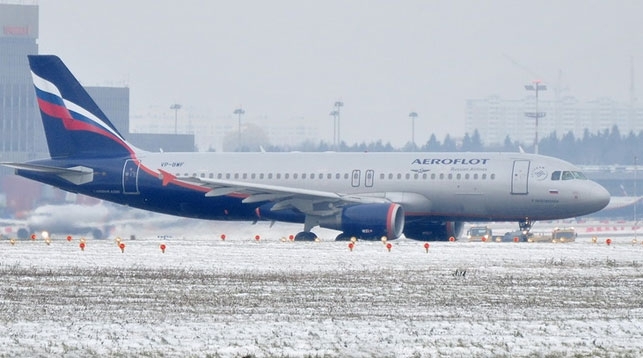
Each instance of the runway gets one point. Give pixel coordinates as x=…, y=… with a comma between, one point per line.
x=242, y=297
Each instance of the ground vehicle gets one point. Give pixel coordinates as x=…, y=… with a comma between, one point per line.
x=563, y=235
x=557, y=235
x=479, y=233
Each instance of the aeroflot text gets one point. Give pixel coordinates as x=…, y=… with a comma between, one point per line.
x=448, y=161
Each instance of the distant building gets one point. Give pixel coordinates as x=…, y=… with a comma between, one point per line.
x=21, y=134
x=496, y=118
x=114, y=102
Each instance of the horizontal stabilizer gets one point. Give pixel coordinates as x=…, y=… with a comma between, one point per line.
x=77, y=175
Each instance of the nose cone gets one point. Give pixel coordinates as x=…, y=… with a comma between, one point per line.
x=598, y=198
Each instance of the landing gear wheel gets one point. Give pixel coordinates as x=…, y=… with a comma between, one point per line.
x=344, y=237
x=525, y=225
x=306, y=236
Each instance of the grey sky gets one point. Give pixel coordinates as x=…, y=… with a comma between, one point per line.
x=384, y=59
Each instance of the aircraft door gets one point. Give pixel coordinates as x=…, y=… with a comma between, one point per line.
x=520, y=177
x=356, y=178
x=130, y=177
x=368, y=180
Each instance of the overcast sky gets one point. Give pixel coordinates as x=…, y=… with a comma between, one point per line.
x=383, y=59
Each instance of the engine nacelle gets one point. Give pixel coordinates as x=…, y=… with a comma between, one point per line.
x=367, y=221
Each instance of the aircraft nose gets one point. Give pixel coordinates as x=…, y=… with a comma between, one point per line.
x=599, y=197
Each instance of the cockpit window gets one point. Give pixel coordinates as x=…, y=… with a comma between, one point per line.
x=579, y=175
x=567, y=175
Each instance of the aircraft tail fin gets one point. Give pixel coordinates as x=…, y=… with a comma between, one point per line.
x=74, y=125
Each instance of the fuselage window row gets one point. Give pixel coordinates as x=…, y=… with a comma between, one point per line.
x=557, y=175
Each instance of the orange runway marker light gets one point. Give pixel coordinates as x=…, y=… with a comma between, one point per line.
x=122, y=247
x=163, y=247
x=351, y=245
x=257, y=238
x=608, y=242
x=389, y=246
x=69, y=238
x=426, y=247
x=82, y=246
x=222, y=237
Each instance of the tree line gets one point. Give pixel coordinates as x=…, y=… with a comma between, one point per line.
x=605, y=147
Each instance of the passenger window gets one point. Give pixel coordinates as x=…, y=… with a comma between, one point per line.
x=219, y=176
x=555, y=175
x=475, y=176
x=345, y=175
x=295, y=176
x=424, y=176
x=492, y=176
x=303, y=176
x=458, y=176
x=408, y=176
x=432, y=176
x=484, y=176
x=441, y=175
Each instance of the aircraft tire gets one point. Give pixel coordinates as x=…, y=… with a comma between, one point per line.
x=305, y=236
x=23, y=234
x=97, y=234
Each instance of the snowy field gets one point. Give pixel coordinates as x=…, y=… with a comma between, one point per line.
x=238, y=297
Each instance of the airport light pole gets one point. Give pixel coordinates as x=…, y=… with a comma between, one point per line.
x=536, y=86
x=413, y=115
x=176, y=108
x=338, y=105
x=334, y=114
x=239, y=111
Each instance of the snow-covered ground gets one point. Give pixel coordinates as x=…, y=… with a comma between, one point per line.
x=239, y=297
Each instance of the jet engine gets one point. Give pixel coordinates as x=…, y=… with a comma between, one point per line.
x=365, y=221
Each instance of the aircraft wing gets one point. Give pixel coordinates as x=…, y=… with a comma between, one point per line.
x=308, y=201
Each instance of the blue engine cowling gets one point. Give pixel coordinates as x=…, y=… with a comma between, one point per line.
x=368, y=221
x=363, y=220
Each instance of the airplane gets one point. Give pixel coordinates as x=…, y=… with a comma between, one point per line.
x=422, y=196
x=77, y=219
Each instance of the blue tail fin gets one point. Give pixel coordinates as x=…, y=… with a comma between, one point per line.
x=74, y=125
